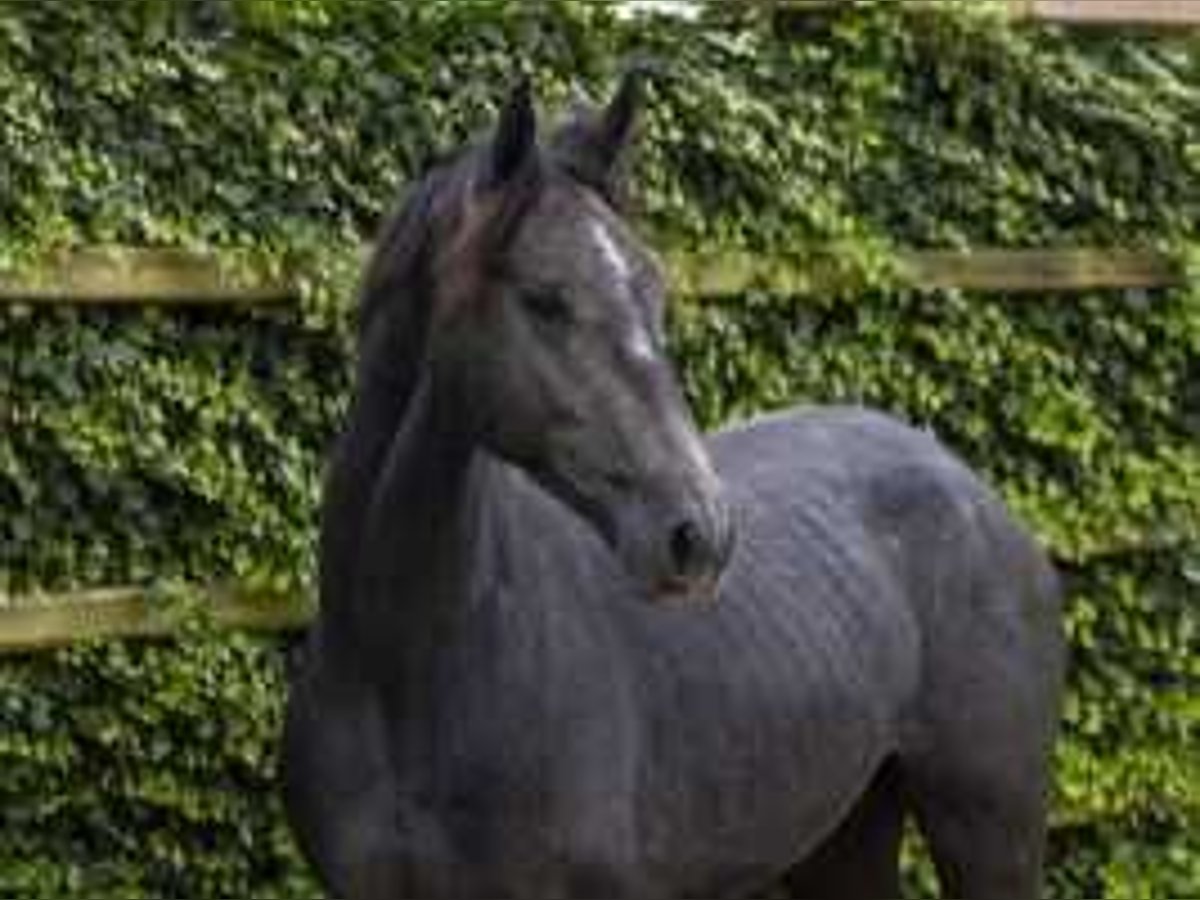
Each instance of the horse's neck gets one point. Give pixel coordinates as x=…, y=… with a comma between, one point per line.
x=421, y=540
x=385, y=385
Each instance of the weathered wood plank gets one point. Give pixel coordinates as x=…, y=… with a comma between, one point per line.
x=1041, y=271
x=1100, y=13
x=137, y=275
x=155, y=276
x=58, y=620
x=1154, y=13
x=1029, y=271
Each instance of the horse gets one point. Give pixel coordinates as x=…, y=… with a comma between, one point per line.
x=568, y=647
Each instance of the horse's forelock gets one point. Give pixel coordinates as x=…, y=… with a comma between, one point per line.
x=487, y=222
x=439, y=250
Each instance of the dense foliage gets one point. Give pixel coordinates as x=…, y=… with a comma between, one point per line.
x=146, y=447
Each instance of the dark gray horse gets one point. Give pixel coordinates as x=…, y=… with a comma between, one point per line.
x=517, y=685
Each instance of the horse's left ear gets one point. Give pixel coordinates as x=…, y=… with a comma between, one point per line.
x=618, y=123
x=594, y=143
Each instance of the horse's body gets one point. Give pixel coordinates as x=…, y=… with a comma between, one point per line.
x=489, y=707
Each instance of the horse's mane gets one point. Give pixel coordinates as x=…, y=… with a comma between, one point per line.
x=399, y=262
x=395, y=301
x=396, y=293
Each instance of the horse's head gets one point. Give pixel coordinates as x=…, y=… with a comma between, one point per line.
x=549, y=338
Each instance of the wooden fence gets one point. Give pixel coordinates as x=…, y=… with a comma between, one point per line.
x=125, y=275
x=130, y=275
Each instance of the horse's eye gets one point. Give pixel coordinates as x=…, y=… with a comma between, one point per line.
x=549, y=306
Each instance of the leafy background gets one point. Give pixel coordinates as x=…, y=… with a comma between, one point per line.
x=167, y=447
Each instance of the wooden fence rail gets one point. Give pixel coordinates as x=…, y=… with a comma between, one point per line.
x=1154, y=14
x=131, y=275
x=43, y=623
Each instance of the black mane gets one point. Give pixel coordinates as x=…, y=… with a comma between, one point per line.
x=399, y=262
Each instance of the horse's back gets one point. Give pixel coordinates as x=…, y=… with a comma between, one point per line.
x=862, y=454
x=914, y=501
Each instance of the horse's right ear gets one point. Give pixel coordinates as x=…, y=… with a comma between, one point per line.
x=514, y=144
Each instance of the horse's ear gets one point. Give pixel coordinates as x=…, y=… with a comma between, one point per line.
x=618, y=122
x=515, y=141
x=593, y=144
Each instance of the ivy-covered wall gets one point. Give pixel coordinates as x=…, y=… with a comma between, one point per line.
x=146, y=446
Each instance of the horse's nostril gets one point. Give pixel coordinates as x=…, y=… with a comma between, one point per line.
x=687, y=546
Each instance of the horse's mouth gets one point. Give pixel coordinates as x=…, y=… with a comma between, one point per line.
x=676, y=591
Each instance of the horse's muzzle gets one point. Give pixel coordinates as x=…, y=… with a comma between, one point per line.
x=695, y=553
